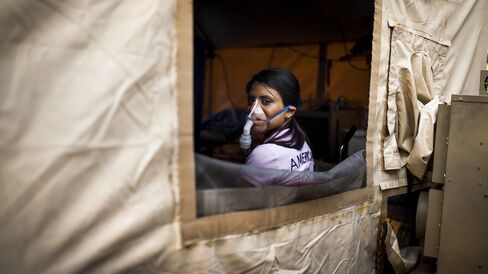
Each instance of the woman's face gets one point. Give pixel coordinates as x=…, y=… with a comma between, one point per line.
x=271, y=103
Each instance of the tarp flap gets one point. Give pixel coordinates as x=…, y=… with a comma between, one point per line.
x=423, y=51
x=402, y=260
x=415, y=77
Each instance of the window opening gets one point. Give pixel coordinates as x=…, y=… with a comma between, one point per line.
x=331, y=60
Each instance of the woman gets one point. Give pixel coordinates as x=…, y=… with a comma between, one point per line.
x=274, y=95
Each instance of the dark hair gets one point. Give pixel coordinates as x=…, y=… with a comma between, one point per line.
x=286, y=84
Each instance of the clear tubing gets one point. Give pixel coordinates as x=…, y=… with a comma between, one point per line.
x=279, y=112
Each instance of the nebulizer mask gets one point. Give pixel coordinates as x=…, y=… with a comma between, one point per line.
x=256, y=113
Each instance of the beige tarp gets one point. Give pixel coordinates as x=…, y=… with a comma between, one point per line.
x=89, y=169
x=423, y=51
x=87, y=132
x=89, y=172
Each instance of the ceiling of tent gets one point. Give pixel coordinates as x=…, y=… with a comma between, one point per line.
x=227, y=24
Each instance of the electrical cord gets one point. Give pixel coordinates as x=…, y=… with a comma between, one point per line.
x=309, y=55
x=346, y=51
x=331, y=60
x=226, y=77
x=226, y=80
x=356, y=67
x=270, y=61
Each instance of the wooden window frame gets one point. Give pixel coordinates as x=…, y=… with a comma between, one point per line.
x=195, y=229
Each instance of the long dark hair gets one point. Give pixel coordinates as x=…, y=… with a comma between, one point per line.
x=286, y=84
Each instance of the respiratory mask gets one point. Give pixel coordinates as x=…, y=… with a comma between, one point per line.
x=256, y=113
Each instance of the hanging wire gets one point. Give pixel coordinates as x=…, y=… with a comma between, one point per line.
x=304, y=54
x=356, y=67
x=309, y=55
x=270, y=61
x=226, y=80
x=346, y=51
x=331, y=60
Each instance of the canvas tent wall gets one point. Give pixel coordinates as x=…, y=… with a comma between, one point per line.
x=96, y=156
x=88, y=125
x=96, y=159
